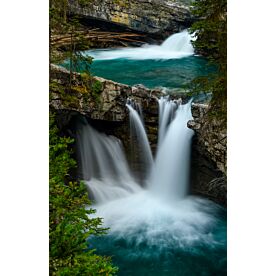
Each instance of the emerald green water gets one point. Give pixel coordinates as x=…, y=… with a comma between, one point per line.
x=170, y=73
x=192, y=243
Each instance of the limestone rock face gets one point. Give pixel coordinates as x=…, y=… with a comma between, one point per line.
x=209, y=154
x=108, y=111
x=109, y=104
x=211, y=134
x=159, y=17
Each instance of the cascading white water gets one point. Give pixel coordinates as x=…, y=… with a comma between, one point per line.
x=166, y=112
x=180, y=42
x=174, y=47
x=138, y=130
x=158, y=215
x=104, y=165
x=157, y=227
x=170, y=175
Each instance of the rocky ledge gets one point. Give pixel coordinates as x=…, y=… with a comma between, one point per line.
x=157, y=17
x=104, y=105
x=106, y=101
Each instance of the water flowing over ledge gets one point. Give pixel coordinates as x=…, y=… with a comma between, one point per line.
x=170, y=175
x=160, y=220
x=176, y=46
x=102, y=157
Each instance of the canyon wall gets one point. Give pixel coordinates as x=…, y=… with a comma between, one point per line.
x=209, y=154
x=156, y=17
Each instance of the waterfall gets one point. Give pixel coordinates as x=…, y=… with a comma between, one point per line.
x=174, y=47
x=170, y=175
x=155, y=226
x=138, y=107
x=160, y=217
x=180, y=42
x=142, y=142
x=166, y=112
x=104, y=166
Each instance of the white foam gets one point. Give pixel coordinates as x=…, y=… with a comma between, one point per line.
x=175, y=47
x=144, y=218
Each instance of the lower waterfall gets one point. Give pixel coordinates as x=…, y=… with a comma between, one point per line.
x=158, y=229
x=104, y=163
x=139, y=135
x=170, y=175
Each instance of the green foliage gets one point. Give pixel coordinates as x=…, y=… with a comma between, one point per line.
x=70, y=221
x=58, y=16
x=211, y=32
x=92, y=87
x=61, y=24
x=97, y=87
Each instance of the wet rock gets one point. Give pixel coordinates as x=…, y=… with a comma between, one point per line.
x=193, y=125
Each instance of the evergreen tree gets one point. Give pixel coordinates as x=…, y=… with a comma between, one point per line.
x=211, y=32
x=69, y=220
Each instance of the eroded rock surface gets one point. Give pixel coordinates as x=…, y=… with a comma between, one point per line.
x=108, y=104
x=209, y=154
x=158, y=17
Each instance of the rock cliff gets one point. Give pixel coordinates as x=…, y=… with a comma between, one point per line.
x=209, y=154
x=106, y=108
x=157, y=17
x=212, y=135
x=107, y=103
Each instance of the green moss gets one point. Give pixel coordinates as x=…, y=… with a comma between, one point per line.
x=97, y=87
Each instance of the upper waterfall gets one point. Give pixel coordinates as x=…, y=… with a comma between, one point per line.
x=174, y=47
x=180, y=42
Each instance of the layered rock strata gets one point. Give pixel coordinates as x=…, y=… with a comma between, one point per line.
x=157, y=17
